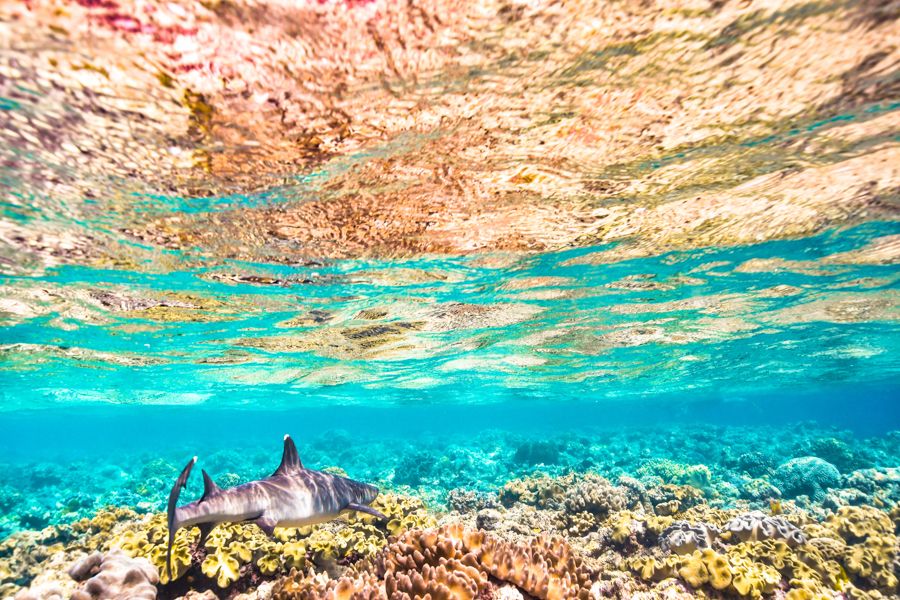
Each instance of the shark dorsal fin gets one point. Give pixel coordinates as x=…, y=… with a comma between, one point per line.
x=290, y=460
x=209, y=487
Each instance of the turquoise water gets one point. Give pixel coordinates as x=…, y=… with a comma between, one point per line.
x=379, y=367
x=731, y=325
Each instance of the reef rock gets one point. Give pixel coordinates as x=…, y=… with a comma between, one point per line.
x=808, y=476
x=115, y=576
x=488, y=519
x=465, y=501
x=757, y=526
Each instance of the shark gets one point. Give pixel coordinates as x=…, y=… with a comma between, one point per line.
x=292, y=496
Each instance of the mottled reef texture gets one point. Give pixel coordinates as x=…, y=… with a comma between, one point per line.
x=635, y=514
x=578, y=536
x=437, y=126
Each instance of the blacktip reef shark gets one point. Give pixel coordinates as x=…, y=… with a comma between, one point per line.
x=292, y=496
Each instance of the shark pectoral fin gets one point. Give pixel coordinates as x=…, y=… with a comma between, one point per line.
x=205, y=528
x=267, y=524
x=366, y=509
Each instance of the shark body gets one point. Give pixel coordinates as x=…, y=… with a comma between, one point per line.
x=293, y=496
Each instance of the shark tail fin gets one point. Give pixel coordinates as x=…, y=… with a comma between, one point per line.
x=180, y=483
x=290, y=459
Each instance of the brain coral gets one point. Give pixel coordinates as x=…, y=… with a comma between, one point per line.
x=115, y=575
x=808, y=476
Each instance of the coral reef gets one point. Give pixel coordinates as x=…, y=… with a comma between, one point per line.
x=682, y=537
x=650, y=523
x=758, y=526
x=114, y=575
x=532, y=547
x=452, y=562
x=659, y=471
x=807, y=475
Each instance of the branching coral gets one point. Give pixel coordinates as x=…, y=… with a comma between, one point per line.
x=452, y=563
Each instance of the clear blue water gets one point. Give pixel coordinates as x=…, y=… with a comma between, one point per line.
x=374, y=366
x=733, y=325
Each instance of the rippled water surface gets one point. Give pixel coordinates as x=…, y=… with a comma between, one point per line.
x=448, y=244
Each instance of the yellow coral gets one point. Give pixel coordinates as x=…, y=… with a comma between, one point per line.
x=403, y=512
x=693, y=571
x=294, y=554
x=224, y=565
x=270, y=560
x=621, y=526
x=651, y=569
x=718, y=567
x=752, y=579
x=149, y=541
